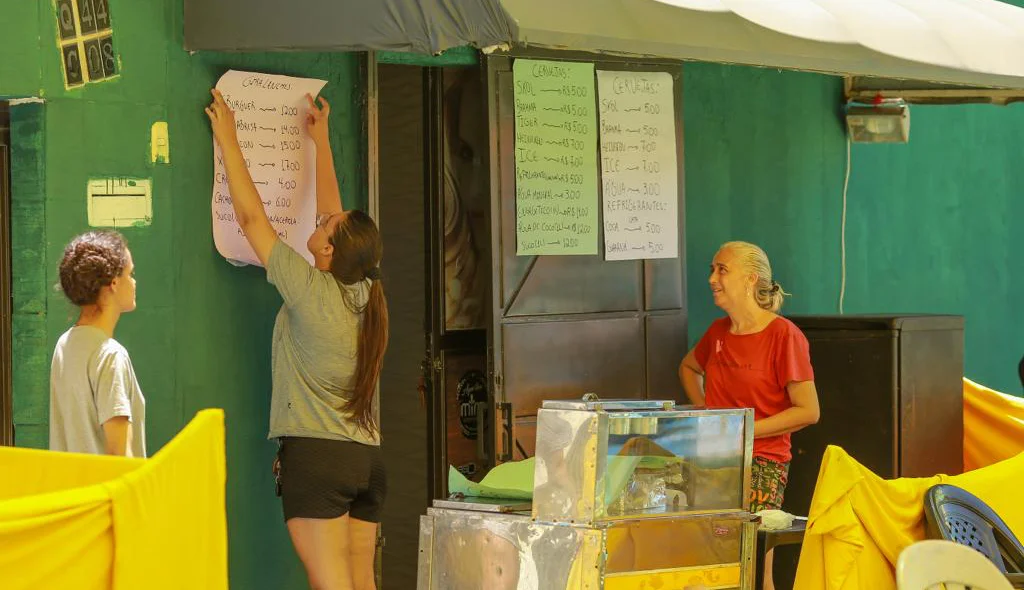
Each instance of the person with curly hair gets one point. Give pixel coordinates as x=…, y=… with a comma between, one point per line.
x=96, y=404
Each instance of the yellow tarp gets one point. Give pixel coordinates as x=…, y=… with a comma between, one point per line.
x=993, y=426
x=859, y=523
x=93, y=522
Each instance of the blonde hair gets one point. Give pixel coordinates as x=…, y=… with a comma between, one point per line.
x=767, y=293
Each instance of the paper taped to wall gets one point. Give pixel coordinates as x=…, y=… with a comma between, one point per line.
x=639, y=170
x=119, y=202
x=270, y=116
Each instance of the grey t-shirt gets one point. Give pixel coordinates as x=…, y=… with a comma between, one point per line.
x=316, y=340
x=92, y=381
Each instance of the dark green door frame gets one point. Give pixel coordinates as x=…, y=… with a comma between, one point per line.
x=6, y=405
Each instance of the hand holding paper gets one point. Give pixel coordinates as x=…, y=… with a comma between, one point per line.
x=316, y=121
x=328, y=194
x=222, y=120
x=248, y=207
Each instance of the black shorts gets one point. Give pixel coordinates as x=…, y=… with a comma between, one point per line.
x=323, y=478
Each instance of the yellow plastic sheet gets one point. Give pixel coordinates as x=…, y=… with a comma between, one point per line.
x=859, y=523
x=90, y=522
x=993, y=426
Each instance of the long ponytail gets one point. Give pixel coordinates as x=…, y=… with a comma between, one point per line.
x=373, y=341
x=357, y=255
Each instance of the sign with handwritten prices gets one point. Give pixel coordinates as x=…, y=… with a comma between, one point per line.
x=639, y=174
x=556, y=158
x=270, y=118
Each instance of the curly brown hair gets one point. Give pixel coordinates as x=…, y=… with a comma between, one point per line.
x=92, y=261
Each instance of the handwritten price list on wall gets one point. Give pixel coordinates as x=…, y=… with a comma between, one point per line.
x=270, y=114
x=638, y=165
x=556, y=158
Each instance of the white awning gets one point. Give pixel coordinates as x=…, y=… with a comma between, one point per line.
x=976, y=42
x=970, y=42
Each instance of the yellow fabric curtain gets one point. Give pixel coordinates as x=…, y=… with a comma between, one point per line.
x=993, y=426
x=93, y=522
x=859, y=522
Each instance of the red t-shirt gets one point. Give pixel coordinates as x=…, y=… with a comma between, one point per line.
x=752, y=371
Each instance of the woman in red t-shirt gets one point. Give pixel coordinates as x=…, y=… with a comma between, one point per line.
x=754, y=358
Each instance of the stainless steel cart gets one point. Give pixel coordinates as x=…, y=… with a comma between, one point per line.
x=627, y=494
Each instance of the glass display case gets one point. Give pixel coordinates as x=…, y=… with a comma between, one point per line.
x=604, y=459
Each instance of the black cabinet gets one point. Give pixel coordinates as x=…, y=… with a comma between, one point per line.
x=891, y=395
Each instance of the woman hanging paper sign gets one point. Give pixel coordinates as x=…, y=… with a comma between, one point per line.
x=270, y=118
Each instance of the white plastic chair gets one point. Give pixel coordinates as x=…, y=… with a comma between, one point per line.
x=927, y=564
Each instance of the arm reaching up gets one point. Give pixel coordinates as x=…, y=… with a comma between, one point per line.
x=328, y=195
x=249, y=212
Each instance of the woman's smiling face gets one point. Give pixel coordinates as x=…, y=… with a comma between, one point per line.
x=728, y=280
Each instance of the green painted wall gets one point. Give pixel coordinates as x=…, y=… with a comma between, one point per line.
x=201, y=335
x=935, y=225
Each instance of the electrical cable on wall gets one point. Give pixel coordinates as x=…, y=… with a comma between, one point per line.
x=842, y=231
x=886, y=120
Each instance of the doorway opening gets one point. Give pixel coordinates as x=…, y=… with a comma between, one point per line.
x=431, y=145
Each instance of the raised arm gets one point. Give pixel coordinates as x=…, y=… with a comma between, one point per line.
x=245, y=199
x=328, y=195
